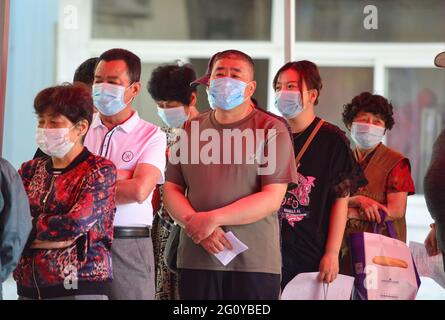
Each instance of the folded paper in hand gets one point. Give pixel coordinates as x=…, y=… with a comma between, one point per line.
x=430, y=267
x=237, y=247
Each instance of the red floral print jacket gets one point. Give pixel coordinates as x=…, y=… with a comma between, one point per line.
x=74, y=204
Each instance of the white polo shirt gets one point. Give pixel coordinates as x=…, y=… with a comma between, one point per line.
x=134, y=142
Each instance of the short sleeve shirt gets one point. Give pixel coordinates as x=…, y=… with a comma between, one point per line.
x=327, y=171
x=127, y=145
x=399, y=179
x=225, y=163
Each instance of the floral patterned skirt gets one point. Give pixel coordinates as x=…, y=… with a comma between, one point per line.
x=166, y=281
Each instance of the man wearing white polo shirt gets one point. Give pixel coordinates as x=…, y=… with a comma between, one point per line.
x=137, y=148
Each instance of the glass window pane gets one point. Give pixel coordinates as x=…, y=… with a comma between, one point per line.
x=419, y=101
x=398, y=21
x=261, y=77
x=182, y=19
x=340, y=85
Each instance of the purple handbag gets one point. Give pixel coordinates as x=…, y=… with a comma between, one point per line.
x=382, y=266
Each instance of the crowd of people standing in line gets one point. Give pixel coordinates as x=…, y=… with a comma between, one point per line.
x=90, y=216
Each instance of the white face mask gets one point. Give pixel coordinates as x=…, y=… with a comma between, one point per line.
x=226, y=93
x=366, y=136
x=173, y=117
x=109, y=98
x=54, y=142
x=289, y=103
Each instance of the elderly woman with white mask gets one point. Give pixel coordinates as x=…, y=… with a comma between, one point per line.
x=388, y=172
x=72, y=201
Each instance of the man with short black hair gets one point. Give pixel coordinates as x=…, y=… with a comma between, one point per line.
x=137, y=148
x=229, y=188
x=85, y=72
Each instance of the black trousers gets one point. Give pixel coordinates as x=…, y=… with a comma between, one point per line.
x=290, y=273
x=294, y=265
x=228, y=285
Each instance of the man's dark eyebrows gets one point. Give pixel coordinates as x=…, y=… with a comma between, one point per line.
x=112, y=79
x=236, y=69
x=108, y=78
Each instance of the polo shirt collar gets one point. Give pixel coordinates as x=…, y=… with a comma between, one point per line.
x=96, y=121
x=131, y=123
x=127, y=126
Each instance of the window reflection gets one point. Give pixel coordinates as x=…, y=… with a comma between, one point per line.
x=398, y=21
x=418, y=98
x=182, y=19
x=340, y=85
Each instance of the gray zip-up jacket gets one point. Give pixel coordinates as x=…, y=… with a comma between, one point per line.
x=434, y=185
x=15, y=220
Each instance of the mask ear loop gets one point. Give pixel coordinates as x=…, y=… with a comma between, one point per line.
x=301, y=97
x=132, y=99
x=187, y=113
x=75, y=125
x=245, y=92
x=67, y=134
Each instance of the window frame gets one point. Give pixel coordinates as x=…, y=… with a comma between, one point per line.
x=4, y=27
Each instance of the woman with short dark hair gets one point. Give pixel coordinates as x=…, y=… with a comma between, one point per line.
x=71, y=197
x=170, y=86
x=368, y=117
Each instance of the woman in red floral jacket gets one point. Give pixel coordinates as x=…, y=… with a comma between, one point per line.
x=71, y=196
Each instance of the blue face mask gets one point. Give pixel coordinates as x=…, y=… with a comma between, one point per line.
x=173, y=117
x=226, y=93
x=289, y=103
x=366, y=136
x=109, y=98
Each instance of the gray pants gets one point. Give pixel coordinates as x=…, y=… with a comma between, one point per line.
x=133, y=269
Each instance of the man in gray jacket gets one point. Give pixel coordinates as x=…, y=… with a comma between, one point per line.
x=15, y=220
x=435, y=188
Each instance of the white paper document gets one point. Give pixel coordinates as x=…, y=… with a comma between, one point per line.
x=430, y=267
x=306, y=286
x=237, y=247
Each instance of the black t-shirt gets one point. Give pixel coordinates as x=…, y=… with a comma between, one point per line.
x=327, y=171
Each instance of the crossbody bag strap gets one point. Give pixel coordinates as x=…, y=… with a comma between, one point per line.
x=308, y=141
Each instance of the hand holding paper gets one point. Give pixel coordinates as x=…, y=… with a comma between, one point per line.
x=228, y=255
x=430, y=267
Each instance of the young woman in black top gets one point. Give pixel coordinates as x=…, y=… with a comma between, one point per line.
x=314, y=211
